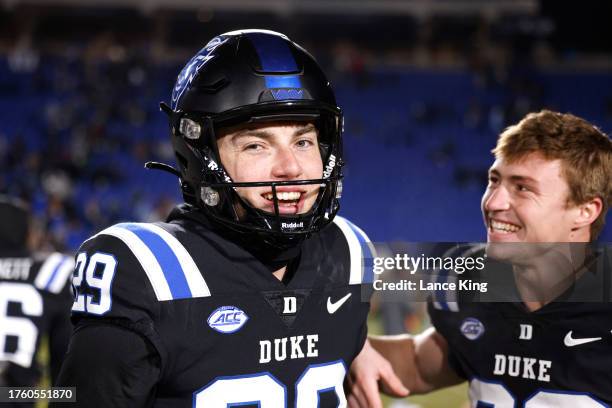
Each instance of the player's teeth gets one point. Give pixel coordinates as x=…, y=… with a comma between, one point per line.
x=284, y=195
x=503, y=226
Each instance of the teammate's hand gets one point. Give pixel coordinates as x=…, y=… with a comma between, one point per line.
x=368, y=370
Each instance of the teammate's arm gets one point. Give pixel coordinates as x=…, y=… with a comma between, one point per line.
x=110, y=366
x=420, y=362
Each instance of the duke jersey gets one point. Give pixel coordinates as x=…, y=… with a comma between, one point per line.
x=35, y=300
x=218, y=328
x=557, y=356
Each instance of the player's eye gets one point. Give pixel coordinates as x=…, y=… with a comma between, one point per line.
x=253, y=147
x=493, y=179
x=522, y=188
x=304, y=143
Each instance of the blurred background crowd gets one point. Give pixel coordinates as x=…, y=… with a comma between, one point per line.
x=425, y=85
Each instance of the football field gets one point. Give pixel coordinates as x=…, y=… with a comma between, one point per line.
x=453, y=397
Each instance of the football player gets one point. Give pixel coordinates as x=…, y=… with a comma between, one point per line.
x=35, y=302
x=548, y=192
x=250, y=293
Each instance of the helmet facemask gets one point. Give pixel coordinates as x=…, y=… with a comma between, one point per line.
x=218, y=196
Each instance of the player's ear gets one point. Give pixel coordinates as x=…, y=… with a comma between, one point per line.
x=587, y=213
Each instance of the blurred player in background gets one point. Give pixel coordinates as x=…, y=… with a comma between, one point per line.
x=35, y=302
x=250, y=293
x=549, y=186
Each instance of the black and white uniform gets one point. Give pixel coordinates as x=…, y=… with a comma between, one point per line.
x=175, y=315
x=558, y=356
x=35, y=302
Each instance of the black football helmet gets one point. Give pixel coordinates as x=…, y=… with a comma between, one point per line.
x=244, y=77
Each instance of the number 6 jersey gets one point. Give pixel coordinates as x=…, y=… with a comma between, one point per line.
x=34, y=304
x=174, y=315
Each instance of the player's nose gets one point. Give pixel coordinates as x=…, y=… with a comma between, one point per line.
x=286, y=164
x=496, y=199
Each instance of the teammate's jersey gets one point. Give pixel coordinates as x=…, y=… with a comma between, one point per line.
x=35, y=301
x=557, y=356
x=219, y=328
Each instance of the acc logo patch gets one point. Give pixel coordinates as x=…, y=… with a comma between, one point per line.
x=227, y=319
x=472, y=328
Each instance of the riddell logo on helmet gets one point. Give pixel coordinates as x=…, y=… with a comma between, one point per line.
x=213, y=166
x=292, y=225
x=330, y=166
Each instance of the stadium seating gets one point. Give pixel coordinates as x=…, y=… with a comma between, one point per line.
x=417, y=143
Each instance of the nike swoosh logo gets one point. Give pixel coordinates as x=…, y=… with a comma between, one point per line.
x=332, y=307
x=569, y=341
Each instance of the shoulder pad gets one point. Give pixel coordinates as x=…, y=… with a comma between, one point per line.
x=54, y=272
x=361, y=251
x=170, y=268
